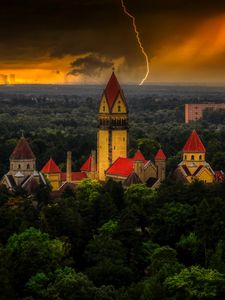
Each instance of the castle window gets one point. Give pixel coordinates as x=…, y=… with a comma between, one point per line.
x=185, y=157
x=19, y=166
x=28, y=167
x=200, y=157
x=124, y=139
x=103, y=108
x=114, y=147
x=192, y=157
x=119, y=108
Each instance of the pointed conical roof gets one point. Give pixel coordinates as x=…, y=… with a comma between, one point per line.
x=51, y=167
x=194, y=143
x=138, y=156
x=22, y=150
x=87, y=164
x=112, y=90
x=160, y=155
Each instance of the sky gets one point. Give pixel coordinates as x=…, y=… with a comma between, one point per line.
x=71, y=41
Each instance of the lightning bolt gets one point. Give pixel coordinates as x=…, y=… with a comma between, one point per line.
x=138, y=40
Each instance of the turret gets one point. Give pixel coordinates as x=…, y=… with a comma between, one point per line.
x=53, y=173
x=194, y=150
x=160, y=162
x=139, y=163
x=89, y=167
x=22, y=159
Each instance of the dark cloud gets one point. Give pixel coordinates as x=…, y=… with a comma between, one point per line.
x=31, y=30
x=90, y=65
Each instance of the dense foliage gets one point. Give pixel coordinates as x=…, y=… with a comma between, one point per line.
x=102, y=242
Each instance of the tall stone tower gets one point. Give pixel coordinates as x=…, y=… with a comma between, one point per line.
x=112, y=140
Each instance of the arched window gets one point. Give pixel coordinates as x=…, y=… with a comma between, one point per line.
x=19, y=167
x=103, y=108
x=28, y=166
x=185, y=157
x=200, y=157
x=119, y=108
x=192, y=157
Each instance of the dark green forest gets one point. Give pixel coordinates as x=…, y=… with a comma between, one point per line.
x=102, y=242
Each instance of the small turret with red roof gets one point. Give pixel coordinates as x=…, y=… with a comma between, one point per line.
x=160, y=155
x=160, y=162
x=51, y=167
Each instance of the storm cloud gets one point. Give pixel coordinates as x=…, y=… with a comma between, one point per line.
x=35, y=34
x=90, y=65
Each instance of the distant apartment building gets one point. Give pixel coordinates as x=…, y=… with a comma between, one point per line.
x=194, y=112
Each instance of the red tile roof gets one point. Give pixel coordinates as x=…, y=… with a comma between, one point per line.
x=194, y=144
x=51, y=167
x=112, y=90
x=160, y=155
x=87, y=165
x=22, y=150
x=122, y=167
x=138, y=156
x=76, y=176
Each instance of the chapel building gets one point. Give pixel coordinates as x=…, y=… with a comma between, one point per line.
x=194, y=165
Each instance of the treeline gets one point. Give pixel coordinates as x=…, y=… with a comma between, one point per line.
x=101, y=242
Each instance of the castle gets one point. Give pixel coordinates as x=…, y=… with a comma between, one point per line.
x=111, y=160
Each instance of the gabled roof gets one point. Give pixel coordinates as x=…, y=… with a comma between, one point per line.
x=122, y=167
x=186, y=170
x=194, y=144
x=133, y=178
x=112, y=90
x=76, y=176
x=22, y=150
x=160, y=155
x=138, y=156
x=198, y=170
x=51, y=167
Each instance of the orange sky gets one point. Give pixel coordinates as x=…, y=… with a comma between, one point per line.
x=185, y=47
